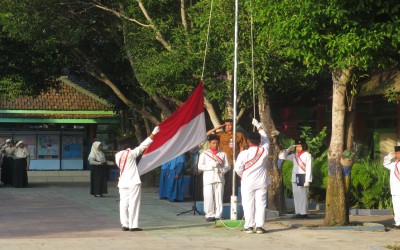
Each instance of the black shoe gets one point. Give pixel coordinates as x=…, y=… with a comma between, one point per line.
x=297, y=216
x=260, y=230
x=249, y=230
x=136, y=229
x=125, y=229
x=303, y=216
x=210, y=219
x=97, y=195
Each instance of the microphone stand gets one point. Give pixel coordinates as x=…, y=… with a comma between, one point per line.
x=194, y=189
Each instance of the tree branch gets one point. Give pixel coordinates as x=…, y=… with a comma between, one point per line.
x=98, y=74
x=159, y=36
x=100, y=6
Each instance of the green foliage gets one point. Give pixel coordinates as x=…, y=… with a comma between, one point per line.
x=320, y=178
x=392, y=96
x=316, y=143
x=287, y=168
x=336, y=34
x=370, y=187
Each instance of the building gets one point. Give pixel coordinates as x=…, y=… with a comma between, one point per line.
x=58, y=125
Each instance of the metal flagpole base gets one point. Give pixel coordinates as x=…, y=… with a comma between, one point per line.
x=233, y=207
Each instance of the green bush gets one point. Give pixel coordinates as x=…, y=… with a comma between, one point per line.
x=287, y=167
x=370, y=187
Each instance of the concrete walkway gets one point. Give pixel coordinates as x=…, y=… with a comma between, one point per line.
x=65, y=216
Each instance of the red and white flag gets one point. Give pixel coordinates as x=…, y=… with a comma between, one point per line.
x=180, y=132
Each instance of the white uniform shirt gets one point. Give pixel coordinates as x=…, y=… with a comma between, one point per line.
x=126, y=162
x=213, y=171
x=9, y=151
x=394, y=181
x=305, y=160
x=21, y=152
x=256, y=176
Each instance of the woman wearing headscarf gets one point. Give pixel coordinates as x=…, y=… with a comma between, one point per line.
x=21, y=165
x=7, y=163
x=98, y=176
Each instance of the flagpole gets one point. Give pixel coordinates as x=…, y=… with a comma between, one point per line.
x=234, y=197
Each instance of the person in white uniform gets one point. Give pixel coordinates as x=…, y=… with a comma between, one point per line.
x=129, y=184
x=251, y=166
x=394, y=168
x=214, y=165
x=301, y=175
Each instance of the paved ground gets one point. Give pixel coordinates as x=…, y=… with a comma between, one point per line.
x=65, y=216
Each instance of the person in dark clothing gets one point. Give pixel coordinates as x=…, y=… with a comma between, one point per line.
x=98, y=170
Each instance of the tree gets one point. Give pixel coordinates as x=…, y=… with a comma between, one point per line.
x=150, y=52
x=349, y=38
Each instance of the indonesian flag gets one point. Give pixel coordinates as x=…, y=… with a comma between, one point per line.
x=180, y=132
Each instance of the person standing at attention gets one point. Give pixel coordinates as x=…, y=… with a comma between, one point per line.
x=129, y=184
x=394, y=168
x=21, y=165
x=251, y=166
x=214, y=164
x=301, y=175
x=226, y=145
x=98, y=174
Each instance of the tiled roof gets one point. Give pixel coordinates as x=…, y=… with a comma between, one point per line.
x=381, y=83
x=67, y=97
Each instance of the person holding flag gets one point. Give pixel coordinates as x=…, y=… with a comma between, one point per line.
x=129, y=184
x=251, y=166
x=301, y=175
x=394, y=168
x=214, y=164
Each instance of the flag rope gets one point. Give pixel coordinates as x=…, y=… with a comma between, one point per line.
x=207, y=37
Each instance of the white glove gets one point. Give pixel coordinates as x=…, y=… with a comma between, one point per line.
x=306, y=184
x=282, y=154
x=291, y=148
x=390, y=156
x=256, y=123
x=156, y=130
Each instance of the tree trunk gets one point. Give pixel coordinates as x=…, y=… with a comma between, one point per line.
x=276, y=198
x=211, y=112
x=336, y=212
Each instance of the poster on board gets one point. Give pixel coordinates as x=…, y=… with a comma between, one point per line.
x=72, y=146
x=48, y=146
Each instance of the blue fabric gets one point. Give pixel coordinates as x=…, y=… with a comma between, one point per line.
x=164, y=181
x=346, y=170
x=176, y=184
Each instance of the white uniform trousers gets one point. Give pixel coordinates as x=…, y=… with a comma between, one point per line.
x=129, y=206
x=213, y=194
x=396, y=209
x=254, y=202
x=300, y=196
